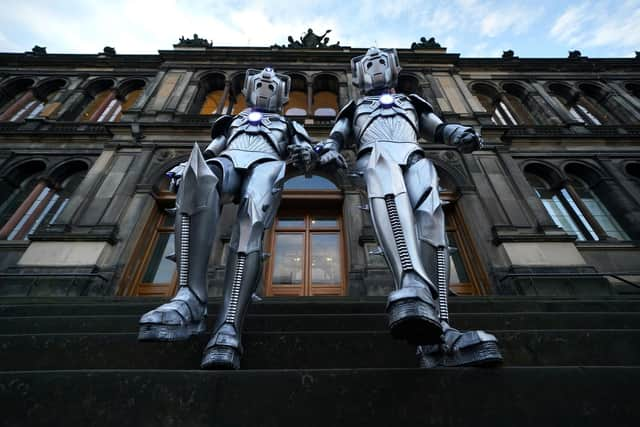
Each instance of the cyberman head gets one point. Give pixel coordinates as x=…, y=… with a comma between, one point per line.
x=376, y=70
x=266, y=90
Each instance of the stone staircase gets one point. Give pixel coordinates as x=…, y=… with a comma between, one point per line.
x=319, y=362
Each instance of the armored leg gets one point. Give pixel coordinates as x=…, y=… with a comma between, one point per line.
x=470, y=348
x=259, y=203
x=411, y=307
x=197, y=210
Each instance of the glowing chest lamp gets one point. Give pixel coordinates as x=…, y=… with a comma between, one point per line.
x=386, y=100
x=255, y=117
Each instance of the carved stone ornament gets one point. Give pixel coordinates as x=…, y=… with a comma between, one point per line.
x=426, y=44
x=309, y=41
x=575, y=54
x=108, y=51
x=194, y=42
x=39, y=50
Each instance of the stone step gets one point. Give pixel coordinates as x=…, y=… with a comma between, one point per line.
x=523, y=397
x=12, y=307
x=305, y=350
x=330, y=322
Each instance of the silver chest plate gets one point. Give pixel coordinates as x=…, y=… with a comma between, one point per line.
x=393, y=121
x=250, y=141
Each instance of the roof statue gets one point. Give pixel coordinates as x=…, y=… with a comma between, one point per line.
x=194, y=42
x=426, y=44
x=38, y=50
x=108, y=51
x=309, y=40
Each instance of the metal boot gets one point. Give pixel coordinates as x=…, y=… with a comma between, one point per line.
x=197, y=210
x=411, y=307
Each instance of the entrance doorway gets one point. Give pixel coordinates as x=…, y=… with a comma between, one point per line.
x=306, y=243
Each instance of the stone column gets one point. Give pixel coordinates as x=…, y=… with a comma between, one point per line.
x=343, y=94
x=540, y=109
x=225, y=96
x=309, y=99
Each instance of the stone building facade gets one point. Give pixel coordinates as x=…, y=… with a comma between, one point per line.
x=550, y=206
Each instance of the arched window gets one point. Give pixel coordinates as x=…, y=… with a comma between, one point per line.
x=30, y=102
x=125, y=97
x=515, y=96
x=99, y=94
x=298, y=100
x=13, y=96
x=325, y=96
x=491, y=100
x=580, y=108
x=573, y=205
x=211, y=95
x=39, y=202
x=556, y=203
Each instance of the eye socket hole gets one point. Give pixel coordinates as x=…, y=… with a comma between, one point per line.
x=259, y=85
x=369, y=65
x=271, y=87
x=382, y=61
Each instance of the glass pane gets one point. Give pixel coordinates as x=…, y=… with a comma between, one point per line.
x=291, y=222
x=324, y=222
x=325, y=259
x=288, y=259
x=314, y=182
x=560, y=216
x=458, y=274
x=578, y=213
x=602, y=215
x=160, y=269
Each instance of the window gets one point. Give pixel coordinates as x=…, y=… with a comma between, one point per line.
x=38, y=202
x=582, y=108
x=575, y=208
x=150, y=272
x=325, y=96
x=298, y=100
x=493, y=103
x=33, y=102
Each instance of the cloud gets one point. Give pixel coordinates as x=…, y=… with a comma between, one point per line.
x=470, y=27
x=611, y=24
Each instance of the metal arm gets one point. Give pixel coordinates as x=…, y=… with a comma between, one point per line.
x=215, y=147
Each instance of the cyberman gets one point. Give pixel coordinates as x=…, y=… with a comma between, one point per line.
x=245, y=165
x=405, y=207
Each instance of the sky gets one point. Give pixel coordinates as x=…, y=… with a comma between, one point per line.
x=473, y=28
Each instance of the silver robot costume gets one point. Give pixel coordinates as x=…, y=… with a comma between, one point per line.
x=246, y=165
x=402, y=186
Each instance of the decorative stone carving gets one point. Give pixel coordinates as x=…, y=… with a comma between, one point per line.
x=310, y=41
x=108, y=51
x=39, y=50
x=426, y=44
x=194, y=42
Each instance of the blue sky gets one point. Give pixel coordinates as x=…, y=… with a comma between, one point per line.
x=473, y=28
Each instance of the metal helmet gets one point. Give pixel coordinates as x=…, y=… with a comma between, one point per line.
x=266, y=90
x=376, y=70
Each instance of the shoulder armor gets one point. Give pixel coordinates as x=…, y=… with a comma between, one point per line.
x=347, y=111
x=422, y=105
x=221, y=125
